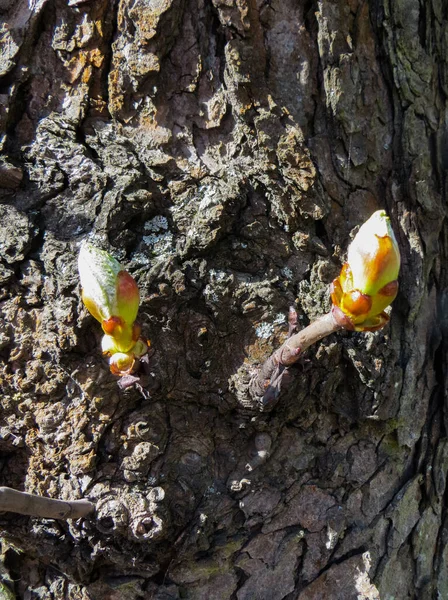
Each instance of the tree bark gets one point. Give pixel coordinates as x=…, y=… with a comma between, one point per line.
x=224, y=151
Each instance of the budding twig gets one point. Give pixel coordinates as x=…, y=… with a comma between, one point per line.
x=266, y=385
x=39, y=506
x=365, y=287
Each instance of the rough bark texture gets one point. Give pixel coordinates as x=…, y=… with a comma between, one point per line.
x=224, y=151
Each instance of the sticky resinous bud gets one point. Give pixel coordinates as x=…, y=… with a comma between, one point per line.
x=111, y=295
x=368, y=282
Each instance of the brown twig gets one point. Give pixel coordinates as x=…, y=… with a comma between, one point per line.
x=266, y=385
x=39, y=506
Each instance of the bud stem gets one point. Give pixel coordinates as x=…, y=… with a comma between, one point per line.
x=266, y=385
x=38, y=506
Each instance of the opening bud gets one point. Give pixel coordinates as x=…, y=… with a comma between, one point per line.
x=111, y=295
x=368, y=282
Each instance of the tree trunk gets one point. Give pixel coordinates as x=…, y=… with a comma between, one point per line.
x=224, y=151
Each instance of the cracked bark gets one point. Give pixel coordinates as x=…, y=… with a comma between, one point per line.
x=224, y=152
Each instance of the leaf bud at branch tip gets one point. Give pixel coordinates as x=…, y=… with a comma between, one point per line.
x=112, y=297
x=368, y=282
